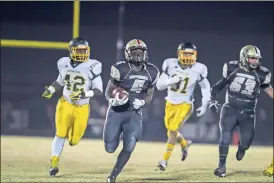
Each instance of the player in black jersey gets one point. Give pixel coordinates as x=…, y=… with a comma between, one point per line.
x=138, y=78
x=244, y=79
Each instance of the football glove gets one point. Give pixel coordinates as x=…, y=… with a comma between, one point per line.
x=116, y=101
x=137, y=103
x=77, y=95
x=201, y=110
x=47, y=94
x=214, y=106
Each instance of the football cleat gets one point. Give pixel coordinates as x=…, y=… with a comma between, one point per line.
x=162, y=165
x=269, y=171
x=185, y=150
x=111, y=179
x=220, y=171
x=240, y=153
x=53, y=170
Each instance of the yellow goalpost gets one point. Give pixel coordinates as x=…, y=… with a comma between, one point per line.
x=48, y=44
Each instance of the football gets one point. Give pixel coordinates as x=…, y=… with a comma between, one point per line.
x=122, y=92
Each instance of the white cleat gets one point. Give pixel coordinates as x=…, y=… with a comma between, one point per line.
x=162, y=165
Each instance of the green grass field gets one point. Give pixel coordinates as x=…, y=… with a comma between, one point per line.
x=26, y=159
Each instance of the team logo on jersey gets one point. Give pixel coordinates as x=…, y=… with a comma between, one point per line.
x=138, y=77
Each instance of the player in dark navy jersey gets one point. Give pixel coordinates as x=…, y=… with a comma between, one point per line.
x=138, y=78
x=243, y=79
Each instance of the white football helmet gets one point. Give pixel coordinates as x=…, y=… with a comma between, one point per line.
x=136, y=51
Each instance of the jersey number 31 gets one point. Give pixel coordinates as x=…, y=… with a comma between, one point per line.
x=176, y=87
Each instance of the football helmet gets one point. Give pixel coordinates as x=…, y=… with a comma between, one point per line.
x=79, y=49
x=187, y=54
x=250, y=57
x=136, y=52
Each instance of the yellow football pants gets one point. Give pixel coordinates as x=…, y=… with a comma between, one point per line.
x=176, y=115
x=71, y=120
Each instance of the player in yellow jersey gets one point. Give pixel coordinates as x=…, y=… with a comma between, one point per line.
x=180, y=76
x=81, y=78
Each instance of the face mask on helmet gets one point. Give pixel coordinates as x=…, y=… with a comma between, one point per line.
x=80, y=53
x=253, y=62
x=137, y=56
x=187, y=57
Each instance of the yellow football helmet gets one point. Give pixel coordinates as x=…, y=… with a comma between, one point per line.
x=187, y=54
x=79, y=49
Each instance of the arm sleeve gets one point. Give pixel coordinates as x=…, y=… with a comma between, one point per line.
x=162, y=82
x=97, y=83
x=221, y=84
x=205, y=90
x=203, y=74
x=60, y=80
x=115, y=75
x=267, y=81
x=96, y=70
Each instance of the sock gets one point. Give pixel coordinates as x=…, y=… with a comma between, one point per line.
x=121, y=162
x=223, y=151
x=183, y=142
x=169, y=149
x=57, y=146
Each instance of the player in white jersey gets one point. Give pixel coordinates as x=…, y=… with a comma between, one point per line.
x=81, y=79
x=180, y=76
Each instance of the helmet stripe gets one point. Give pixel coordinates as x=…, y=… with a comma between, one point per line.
x=138, y=41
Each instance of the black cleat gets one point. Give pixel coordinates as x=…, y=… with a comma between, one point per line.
x=111, y=179
x=220, y=171
x=53, y=171
x=240, y=154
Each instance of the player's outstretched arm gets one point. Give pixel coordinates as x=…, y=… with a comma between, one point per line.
x=205, y=90
x=267, y=86
x=54, y=87
x=221, y=84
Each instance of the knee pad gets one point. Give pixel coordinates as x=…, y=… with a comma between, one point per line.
x=225, y=138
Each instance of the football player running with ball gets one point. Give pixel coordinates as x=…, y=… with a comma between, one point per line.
x=180, y=76
x=137, y=78
x=80, y=77
x=244, y=79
